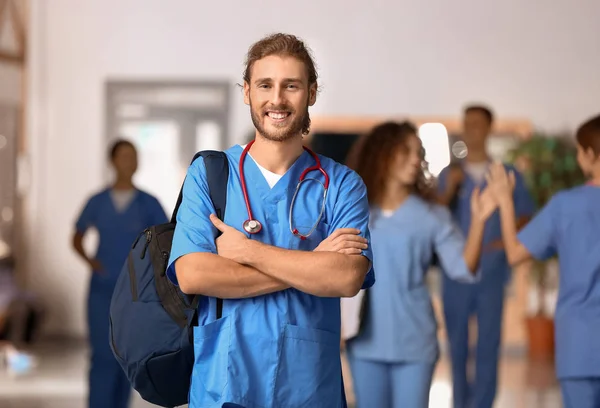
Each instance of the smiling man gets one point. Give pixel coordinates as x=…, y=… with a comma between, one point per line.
x=283, y=257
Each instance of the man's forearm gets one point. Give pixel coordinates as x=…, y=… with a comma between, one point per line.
x=212, y=275
x=325, y=274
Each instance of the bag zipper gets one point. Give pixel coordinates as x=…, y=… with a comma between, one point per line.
x=148, y=239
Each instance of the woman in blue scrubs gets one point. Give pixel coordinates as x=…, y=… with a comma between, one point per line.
x=119, y=213
x=393, y=357
x=568, y=226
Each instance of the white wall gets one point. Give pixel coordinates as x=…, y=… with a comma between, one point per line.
x=535, y=59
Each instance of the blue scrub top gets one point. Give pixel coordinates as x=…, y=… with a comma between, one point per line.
x=117, y=230
x=400, y=325
x=569, y=226
x=494, y=265
x=280, y=349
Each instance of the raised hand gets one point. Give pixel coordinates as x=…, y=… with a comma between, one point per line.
x=483, y=204
x=501, y=183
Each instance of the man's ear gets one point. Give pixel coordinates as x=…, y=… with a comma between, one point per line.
x=312, y=94
x=246, y=93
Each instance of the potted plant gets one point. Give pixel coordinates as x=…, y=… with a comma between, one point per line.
x=548, y=164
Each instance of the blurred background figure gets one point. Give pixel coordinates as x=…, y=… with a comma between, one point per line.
x=119, y=213
x=21, y=312
x=20, y=319
x=486, y=298
x=393, y=357
x=568, y=226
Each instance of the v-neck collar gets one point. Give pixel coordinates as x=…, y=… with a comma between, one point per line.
x=136, y=194
x=255, y=179
x=468, y=177
x=407, y=203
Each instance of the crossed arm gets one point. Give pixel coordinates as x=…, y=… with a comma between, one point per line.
x=243, y=268
x=246, y=268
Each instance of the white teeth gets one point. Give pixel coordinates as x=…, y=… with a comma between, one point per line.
x=274, y=115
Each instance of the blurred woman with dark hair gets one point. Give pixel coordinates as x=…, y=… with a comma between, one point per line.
x=119, y=213
x=393, y=354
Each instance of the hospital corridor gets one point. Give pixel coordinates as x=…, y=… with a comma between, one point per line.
x=60, y=382
x=310, y=204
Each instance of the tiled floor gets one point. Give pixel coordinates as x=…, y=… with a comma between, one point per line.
x=60, y=382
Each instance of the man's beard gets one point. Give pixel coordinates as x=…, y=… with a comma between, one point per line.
x=283, y=133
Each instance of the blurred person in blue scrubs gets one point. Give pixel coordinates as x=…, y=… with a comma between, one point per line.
x=393, y=356
x=280, y=261
x=568, y=227
x=20, y=314
x=119, y=214
x=486, y=298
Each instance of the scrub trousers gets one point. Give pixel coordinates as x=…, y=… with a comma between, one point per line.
x=486, y=300
x=390, y=385
x=108, y=385
x=581, y=392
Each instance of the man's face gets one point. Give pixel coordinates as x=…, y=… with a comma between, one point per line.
x=476, y=128
x=125, y=161
x=279, y=96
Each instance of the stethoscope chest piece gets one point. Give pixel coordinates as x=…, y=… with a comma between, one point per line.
x=252, y=226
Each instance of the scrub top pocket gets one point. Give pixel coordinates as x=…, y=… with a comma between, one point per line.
x=309, y=369
x=211, y=361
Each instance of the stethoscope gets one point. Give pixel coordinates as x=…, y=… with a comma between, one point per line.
x=253, y=226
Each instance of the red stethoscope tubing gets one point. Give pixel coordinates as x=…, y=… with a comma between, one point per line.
x=251, y=218
x=243, y=181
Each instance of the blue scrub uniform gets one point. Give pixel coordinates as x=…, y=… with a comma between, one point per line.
x=485, y=299
x=108, y=385
x=569, y=226
x=394, y=356
x=280, y=349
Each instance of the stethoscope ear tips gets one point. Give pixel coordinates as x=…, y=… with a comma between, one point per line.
x=297, y=233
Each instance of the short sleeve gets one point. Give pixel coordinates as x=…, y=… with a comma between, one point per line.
x=157, y=213
x=87, y=218
x=194, y=231
x=352, y=211
x=539, y=235
x=524, y=205
x=449, y=244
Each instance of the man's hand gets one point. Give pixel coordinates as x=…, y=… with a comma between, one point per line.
x=345, y=241
x=232, y=243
